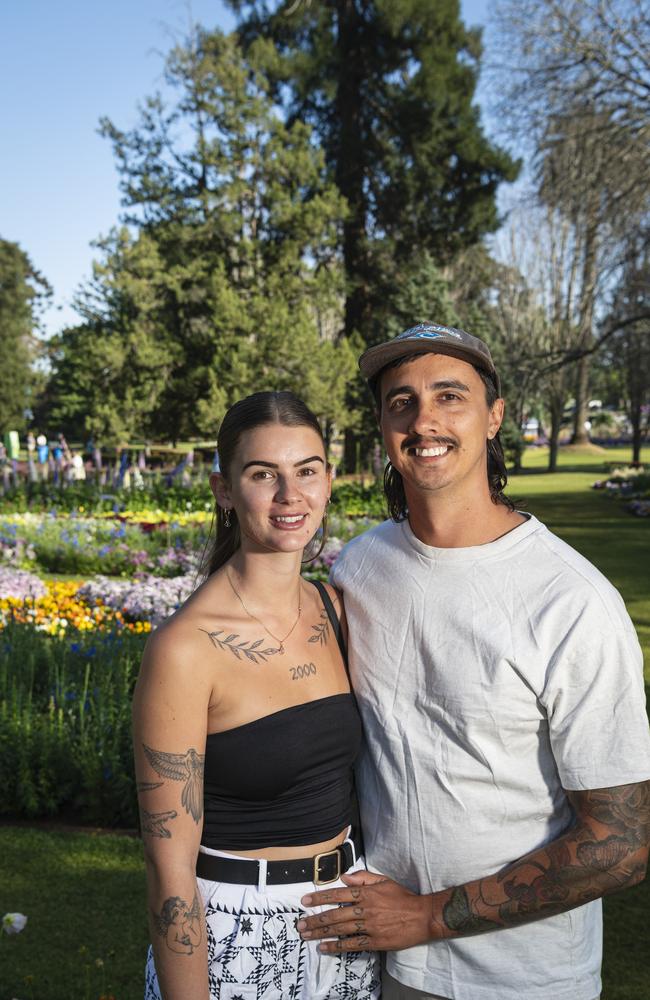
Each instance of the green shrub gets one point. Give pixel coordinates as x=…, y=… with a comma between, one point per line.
x=356, y=500
x=65, y=725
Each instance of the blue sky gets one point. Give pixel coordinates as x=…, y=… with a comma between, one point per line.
x=62, y=67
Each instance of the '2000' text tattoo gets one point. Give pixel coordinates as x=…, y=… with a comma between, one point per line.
x=187, y=767
x=303, y=670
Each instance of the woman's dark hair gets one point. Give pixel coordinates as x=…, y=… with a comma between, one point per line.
x=496, y=462
x=254, y=411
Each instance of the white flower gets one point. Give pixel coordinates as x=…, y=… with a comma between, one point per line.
x=13, y=923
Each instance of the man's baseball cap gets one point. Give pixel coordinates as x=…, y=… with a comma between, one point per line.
x=429, y=337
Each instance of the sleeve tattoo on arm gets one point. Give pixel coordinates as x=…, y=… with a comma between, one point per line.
x=179, y=925
x=578, y=867
x=187, y=767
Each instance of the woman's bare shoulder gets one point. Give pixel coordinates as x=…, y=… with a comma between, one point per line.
x=182, y=642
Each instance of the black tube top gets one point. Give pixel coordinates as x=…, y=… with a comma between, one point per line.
x=284, y=779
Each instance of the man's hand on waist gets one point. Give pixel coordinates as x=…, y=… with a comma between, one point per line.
x=373, y=913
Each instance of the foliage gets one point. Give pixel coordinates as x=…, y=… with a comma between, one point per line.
x=150, y=504
x=65, y=724
x=82, y=545
x=89, y=496
x=388, y=88
x=576, y=87
x=226, y=281
x=627, y=352
x=22, y=292
x=354, y=499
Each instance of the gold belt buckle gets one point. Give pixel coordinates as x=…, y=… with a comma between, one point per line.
x=317, y=859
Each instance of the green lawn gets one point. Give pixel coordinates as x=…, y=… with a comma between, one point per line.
x=84, y=893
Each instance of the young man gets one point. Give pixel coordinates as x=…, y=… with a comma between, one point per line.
x=503, y=788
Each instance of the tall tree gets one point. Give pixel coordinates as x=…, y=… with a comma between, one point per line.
x=388, y=86
x=230, y=272
x=628, y=351
x=23, y=291
x=575, y=84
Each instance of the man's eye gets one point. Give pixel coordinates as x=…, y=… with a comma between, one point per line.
x=450, y=395
x=399, y=404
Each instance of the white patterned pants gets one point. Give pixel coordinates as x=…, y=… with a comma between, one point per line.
x=256, y=953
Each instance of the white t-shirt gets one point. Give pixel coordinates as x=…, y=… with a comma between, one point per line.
x=489, y=678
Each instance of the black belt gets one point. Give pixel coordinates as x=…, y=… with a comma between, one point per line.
x=321, y=868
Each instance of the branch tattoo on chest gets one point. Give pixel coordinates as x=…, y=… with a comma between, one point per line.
x=255, y=650
x=247, y=649
x=321, y=629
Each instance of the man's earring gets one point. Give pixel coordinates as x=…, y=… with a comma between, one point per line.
x=226, y=516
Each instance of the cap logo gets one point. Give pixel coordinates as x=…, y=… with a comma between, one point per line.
x=428, y=332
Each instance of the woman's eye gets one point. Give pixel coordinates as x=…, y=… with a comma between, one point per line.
x=307, y=472
x=262, y=474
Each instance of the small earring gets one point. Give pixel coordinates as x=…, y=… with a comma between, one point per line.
x=226, y=516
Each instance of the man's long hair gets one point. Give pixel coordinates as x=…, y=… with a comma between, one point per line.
x=496, y=462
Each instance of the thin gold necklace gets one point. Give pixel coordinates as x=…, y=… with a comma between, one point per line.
x=260, y=622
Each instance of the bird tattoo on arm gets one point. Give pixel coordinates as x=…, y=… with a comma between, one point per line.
x=187, y=767
x=154, y=823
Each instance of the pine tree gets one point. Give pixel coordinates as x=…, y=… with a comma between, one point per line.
x=388, y=87
x=22, y=291
x=230, y=270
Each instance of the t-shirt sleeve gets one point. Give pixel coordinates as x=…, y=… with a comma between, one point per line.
x=595, y=702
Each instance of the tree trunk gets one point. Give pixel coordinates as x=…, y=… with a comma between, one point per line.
x=587, y=295
x=580, y=433
x=350, y=160
x=637, y=436
x=554, y=436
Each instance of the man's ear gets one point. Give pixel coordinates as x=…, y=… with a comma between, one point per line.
x=496, y=418
x=220, y=490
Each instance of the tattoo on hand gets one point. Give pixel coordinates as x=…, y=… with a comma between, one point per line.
x=154, y=823
x=304, y=670
x=187, y=767
x=242, y=650
x=179, y=925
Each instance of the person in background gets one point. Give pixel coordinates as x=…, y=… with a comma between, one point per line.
x=504, y=782
x=43, y=454
x=245, y=733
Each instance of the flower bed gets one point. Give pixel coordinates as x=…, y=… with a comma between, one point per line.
x=62, y=609
x=132, y=544
x=89, y=497
x=70, y=655
x=75, y=544
x=631, y=484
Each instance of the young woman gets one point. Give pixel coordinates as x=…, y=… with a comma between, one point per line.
x=245, y=732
